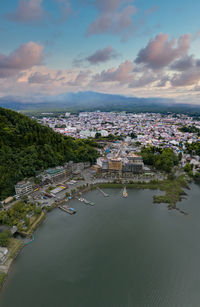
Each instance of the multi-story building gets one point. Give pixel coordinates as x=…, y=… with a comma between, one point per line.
x=115, y=164
x=133, y=164
x=133, y=167
x=23, y=188
x=56, y=175
x=130, y=164
x=3, y=254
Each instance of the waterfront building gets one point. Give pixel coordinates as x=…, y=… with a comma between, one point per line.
x=57, y=190
x=3, y=254
x=57, y=174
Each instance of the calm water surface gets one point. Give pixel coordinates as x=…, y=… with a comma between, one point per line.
x=122, y=252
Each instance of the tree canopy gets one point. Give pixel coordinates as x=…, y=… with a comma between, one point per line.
x=27, y=147
x=190, y=129
x=162, y=159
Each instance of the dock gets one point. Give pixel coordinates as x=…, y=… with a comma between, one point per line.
x=67, y=209
x=102, y=192
x=86, y=202
x=32, y=240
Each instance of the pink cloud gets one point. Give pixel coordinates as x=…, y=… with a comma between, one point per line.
x=161, y=52
x=24, y=57
x=114, y=16
x=29, y=11
x=123, y=73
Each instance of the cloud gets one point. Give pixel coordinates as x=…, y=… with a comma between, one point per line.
x=123, y=73
x=163, y=81
x=102, y=55
x=99, y=56
x=196, y=35
x=189, y=71
x=161, y=52
x=80, y=79
x=43, y=78
x=114, y=16
x=187, y=78
x=147, y=78
x=184, y=63
x=24, y=57
x=27, y=11
x=38, y=77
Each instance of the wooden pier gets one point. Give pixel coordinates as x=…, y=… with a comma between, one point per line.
x=67, y=209
x=104, y=194
x=86, y=202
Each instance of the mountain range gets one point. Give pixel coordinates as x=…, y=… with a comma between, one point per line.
x=91, y=101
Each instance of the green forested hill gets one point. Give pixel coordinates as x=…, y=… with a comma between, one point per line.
x=27, y=147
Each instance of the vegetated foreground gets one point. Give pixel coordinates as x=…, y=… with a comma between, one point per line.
x=27, y=147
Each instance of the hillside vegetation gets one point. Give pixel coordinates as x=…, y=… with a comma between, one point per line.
x=27, y=147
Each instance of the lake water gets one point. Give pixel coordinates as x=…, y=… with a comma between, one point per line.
x=121, y=252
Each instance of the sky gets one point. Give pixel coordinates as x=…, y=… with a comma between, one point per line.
x=134, y=48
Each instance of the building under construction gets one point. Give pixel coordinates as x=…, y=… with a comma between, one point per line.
x=130, y=164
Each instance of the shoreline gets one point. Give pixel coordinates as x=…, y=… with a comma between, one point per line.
x=173, y=188
x=165, y=185
x=14, y=252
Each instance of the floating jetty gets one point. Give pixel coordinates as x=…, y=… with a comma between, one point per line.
x=29, y=242
x=67, y=209
x=85, y=201
x=104, y=194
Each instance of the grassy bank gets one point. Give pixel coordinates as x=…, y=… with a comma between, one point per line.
x=14, y=247
x=36, y=223
x=2, y=276
x=173, y=189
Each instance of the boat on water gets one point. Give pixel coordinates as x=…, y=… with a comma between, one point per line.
x=124, y=194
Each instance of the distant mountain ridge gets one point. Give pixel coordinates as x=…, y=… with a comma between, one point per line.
x=91, y=101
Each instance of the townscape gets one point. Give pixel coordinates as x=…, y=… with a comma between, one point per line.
x=136, y=130
x=123, y=158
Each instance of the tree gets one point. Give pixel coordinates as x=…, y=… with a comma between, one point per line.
x=97, y=135
x=133, y=135
x=188, y=167
x=5, y=238
x=180, y=155
x=161, y=159
x=27, y=148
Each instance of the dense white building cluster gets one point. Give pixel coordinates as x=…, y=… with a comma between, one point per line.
x=150, y=128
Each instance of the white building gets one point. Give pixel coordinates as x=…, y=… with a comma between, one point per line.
x=3, y=254
x=104, y=132
x=23, y=188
